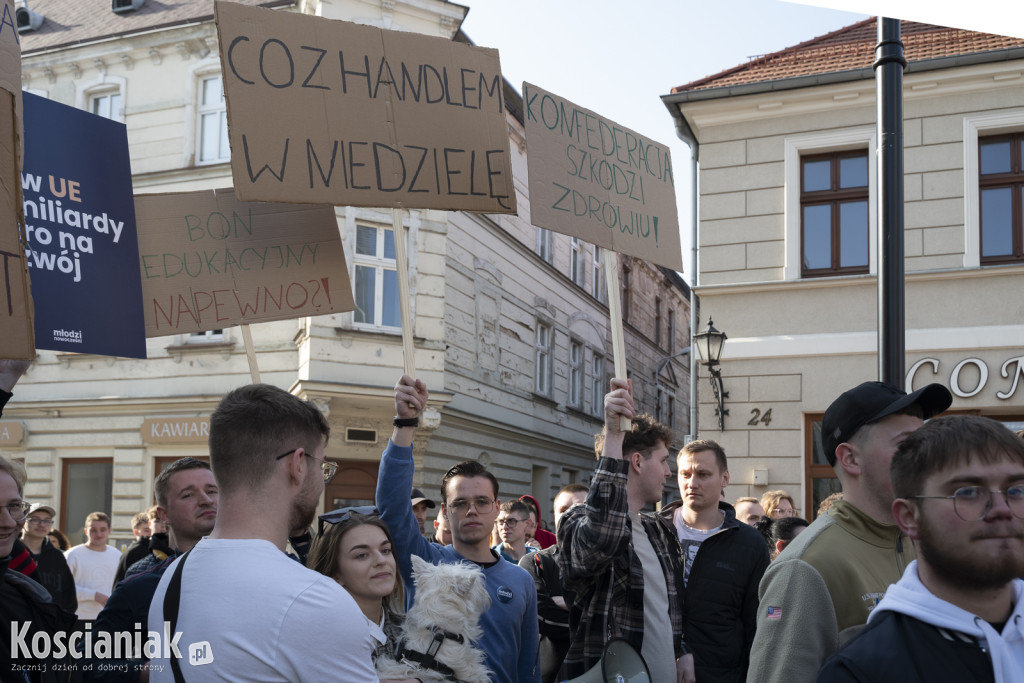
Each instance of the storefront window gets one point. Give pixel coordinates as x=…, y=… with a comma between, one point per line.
x=87, y=487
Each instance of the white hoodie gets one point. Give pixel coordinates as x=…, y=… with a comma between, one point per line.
x=909, y=596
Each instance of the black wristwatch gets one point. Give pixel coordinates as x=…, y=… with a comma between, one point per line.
x=406, y=421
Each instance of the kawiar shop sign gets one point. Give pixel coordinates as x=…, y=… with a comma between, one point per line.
x=971, y=375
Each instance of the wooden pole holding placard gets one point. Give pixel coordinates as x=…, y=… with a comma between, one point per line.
x=611, y=276
x=250, y=353
x=402, y=268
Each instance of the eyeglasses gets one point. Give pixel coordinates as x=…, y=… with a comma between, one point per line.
x=972, y=503
x=40, y=522
x=328, y=468
x=510, y=522
x=18, y=511
x=345, y=514
x=482, y=504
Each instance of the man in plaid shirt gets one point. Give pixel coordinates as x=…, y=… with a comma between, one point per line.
x=625, y=566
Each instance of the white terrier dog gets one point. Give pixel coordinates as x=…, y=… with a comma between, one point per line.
x=439, y=630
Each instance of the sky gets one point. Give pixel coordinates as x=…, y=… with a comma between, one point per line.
x=617, y=58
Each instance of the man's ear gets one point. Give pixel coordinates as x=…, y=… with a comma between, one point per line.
x=848, y=459
x=725, y=480
x=635, y=458
x=905, y=513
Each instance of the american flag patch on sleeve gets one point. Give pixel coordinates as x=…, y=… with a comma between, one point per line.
x=774, y=612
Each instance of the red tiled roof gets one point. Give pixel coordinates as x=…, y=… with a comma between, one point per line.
x=69, y=22
x=853, y=47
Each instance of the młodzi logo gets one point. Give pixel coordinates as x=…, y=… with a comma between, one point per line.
x=101, y=645
x=70, y=336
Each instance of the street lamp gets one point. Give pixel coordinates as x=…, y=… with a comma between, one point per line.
x=709, y=345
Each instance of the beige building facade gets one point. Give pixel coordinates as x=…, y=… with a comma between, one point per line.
x=787, y=238
x=511, y=327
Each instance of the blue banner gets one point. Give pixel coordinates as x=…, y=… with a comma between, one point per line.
x=81, y=244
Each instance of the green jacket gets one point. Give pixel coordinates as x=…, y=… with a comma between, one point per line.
x=818, y=592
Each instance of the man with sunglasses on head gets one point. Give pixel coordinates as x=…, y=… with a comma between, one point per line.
x=245, y=610
x=469, y=495
x=958, y=612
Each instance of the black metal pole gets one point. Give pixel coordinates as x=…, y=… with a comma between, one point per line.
x=888, y=66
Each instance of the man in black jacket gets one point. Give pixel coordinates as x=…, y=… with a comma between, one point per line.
x=725, y=560
x=52, y=569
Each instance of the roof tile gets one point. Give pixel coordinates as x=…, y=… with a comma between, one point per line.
x=853, y=47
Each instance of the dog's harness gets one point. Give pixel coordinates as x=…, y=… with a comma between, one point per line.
x=429, y=658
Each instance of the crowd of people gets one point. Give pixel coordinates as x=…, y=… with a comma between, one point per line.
x=913, y=573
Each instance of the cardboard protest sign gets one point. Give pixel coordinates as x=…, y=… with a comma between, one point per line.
x=16, y=332
x=601, y=182
x=209, y=261
x=80, y=232
x=330, y=112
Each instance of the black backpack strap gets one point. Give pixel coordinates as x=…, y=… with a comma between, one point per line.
x=172, y=601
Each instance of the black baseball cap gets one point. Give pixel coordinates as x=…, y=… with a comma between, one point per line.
x=418, y=497
x=870, y=402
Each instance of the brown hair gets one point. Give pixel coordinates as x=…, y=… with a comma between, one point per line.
x=162, y=483
x=97, y=517
x=140, y=518
x=946, y=442
x=469, y=468
x=324, y=553
x=643, y=436
x=708, y=445
x=253, y=425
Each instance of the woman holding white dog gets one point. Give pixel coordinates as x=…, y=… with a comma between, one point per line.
x=354, y=548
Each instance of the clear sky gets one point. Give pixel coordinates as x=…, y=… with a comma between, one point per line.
x=617, y=57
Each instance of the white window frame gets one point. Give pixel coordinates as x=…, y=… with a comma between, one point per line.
x=542, y=348
x=599, y=284
x=379, y=263
x=576, y=373
x=102, y=87
x=576, y=271
x=823, y=143
x=1010, y=121
x=544, y=245
x=202, y=110
x=206, y=337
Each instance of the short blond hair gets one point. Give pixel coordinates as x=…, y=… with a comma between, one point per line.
x=771, y=499
x=16, y=471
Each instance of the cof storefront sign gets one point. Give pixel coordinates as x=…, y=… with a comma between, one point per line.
x=11, y=433
x=176, y=430
x=1011, y=371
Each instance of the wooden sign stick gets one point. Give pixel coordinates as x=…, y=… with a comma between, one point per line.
x=611, y=276
x=250, y=352
x=402, y=268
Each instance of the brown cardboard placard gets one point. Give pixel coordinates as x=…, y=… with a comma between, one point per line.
x=210, y=261
x=332, y=112
x=599, y=181
x=17, y=332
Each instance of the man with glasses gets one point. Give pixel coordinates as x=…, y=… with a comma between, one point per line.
x=512, y=524
x=958, y=612
x=25, y=606
x=245, y=611
x=818, y=593
x=53, y=571
x=469, y=501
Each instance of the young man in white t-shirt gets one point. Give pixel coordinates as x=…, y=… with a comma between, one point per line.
x=93, y=565
x=246, y=611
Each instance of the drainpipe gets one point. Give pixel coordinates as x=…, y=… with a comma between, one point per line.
x=685, y=133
